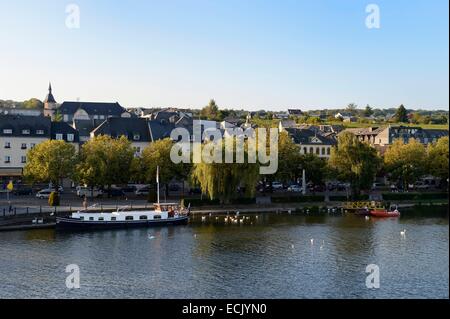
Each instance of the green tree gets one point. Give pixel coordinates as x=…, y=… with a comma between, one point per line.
x=50, y=161
x=351, y=108
x=437, y=158
x=401, y=115
x=316, y=169
x=368, y=111
x=354, y=162
x=211, y=111
x=405, y=163
x=105, y=161
x=33, y=103
x=158, y=154
x=221, y=180
x=288, y=159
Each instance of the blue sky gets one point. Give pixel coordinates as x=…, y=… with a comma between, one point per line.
x=249, y=54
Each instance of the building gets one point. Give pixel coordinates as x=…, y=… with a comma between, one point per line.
x=136, y=130
x=71, y=111
x=311, y=142
x=19, y=134
x=19, y=111
x=295, y=112
x=62, y=131
x=384, y=136
x=345, y=117
x=50, y=105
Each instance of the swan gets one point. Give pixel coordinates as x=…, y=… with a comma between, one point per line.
x=403, y=232
x=312, y=241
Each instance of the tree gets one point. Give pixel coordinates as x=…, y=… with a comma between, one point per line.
x=33, y=103
x=401, y=115
x=351, y=108
x=288, y=159
x=50, y=162
x=105, y=161
x=221, y=180
x=437, y=158
x=316, y=168
x=405, y=163
x=355, y=162
x=368, y=111
x=211, y=111
x=158, y=154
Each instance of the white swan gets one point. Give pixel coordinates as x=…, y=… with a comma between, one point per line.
x=312, y=241
x=403, y=232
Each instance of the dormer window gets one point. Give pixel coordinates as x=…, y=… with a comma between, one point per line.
x=7, y=131
x=70, y=137
x=136, y=137
x=59, y=137
x=40, y=132
x=26, y=132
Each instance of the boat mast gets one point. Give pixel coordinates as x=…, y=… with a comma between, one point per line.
x=157, y=183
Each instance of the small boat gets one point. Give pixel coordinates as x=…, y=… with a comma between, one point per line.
x=162, y=214
x=393, y=212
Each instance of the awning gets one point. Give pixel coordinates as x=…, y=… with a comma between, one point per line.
x=10, y=171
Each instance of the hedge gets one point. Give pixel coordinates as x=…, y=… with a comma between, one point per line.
x=414, y=196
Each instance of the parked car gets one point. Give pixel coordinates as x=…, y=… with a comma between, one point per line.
x=421, y=185
x=44, y=194
x=89, y=192
x=378, y=185
x=143, y=191
x=295, y=188
x=23, y=191
x=277, y=185
x=116, y=192
x=129, y=189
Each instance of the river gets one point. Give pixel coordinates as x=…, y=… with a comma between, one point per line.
x=267, y=256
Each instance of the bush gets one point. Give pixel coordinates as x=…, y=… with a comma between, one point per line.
x=53, y=199
x=343, y=198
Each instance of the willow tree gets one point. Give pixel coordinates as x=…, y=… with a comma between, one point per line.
x=50, y=161
x=220, y=180
x=354, y=162
x=105, y=161
x=405, y=162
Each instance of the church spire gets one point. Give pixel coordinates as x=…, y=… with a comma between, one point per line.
x=49, y=87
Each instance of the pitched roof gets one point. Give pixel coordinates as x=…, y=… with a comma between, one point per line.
x=19, y=123
x=160, y=129
x=92, y=108
x=135, y=129
x=64, y=129
x=305, y=136
x=85, y=127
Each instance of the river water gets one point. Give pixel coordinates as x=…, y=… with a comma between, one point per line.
x=269, y=256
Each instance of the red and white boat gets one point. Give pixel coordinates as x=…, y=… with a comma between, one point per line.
x=385, y=213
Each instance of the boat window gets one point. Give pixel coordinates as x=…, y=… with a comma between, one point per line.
x=142, y=217
x=113, y=218
x=129, y=218
x=91, y=218
x=157, y=217
x=101, y=218
x=81, y=217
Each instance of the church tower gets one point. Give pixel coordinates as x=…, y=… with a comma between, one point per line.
x=50, y=104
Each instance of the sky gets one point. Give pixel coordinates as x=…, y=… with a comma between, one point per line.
x=246, y=54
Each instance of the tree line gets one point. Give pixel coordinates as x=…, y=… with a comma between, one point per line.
x=104, y=161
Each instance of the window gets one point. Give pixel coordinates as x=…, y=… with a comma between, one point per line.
x=143, y=217
x=32, y=145
x=323, y=150
x=311, y=150
x=59, y=137
x=100, y=219
x=102, y=117
x=24, y=146
x=129, y=218
x=7, y=131
x=113, y=218
x=70, y=137
x=7, y=159
x=157, y=217
x=23, y=159
x=7, y=145
x=136, y=137
x=317, y=151
x=91, y=219
x=81, y=217
x=305, y=150
x=328, y=151
x=40, y=132
x=26, y=132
